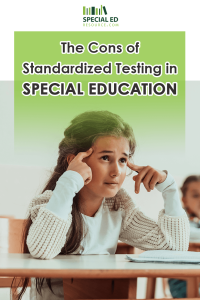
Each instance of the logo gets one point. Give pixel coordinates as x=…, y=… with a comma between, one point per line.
x=94, y=16
x=94, y=11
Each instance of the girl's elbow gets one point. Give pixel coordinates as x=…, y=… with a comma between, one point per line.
x=41, y=254
x=38, y=251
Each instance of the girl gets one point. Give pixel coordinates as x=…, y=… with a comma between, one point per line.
x=83, y=210
x=191, y=201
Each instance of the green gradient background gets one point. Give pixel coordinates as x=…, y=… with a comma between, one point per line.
x=158, y=122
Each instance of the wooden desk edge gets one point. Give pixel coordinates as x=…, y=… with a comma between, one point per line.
x=92, y=274
x=194, y=244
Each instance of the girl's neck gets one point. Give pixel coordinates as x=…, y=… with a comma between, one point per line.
x=88, y=202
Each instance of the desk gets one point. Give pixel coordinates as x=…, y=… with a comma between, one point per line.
x=123, y=248
x=96, y=267
x=192, y=283
x=194, y=245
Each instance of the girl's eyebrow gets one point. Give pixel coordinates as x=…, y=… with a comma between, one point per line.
x=107, y=151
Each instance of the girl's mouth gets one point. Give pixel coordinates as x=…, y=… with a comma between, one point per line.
x=111, y=185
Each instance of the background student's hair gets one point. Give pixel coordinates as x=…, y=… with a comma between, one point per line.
x=189, y=179
x=82, y=133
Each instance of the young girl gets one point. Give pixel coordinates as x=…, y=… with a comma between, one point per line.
x=191, y=201
x=83, y=210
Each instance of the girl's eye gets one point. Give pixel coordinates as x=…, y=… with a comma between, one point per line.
x=105, y=157
x=123, y=160
x=195, y=196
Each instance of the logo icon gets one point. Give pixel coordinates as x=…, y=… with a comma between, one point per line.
x=94, y=11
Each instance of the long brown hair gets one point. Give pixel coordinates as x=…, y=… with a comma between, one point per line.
x=79, y=137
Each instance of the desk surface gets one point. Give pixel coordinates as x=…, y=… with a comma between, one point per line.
x=90, y=266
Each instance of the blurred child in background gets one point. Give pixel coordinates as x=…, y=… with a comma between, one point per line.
x=191, y=202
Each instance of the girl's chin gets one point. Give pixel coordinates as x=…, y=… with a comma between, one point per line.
x=106, y=192
x=111, y=193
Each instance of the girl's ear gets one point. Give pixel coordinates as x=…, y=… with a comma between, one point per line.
x=69, y=158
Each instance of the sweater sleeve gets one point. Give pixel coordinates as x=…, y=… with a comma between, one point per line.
x=47, y=234
x=169, y=233
x=170, y=195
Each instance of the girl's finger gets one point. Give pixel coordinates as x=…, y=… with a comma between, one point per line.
x=88, y=180
x=70, y=157
x=81, y=155
x=134, y=177
x=139, y=178
x=134, y=167
x=154, y=180
x=147, y=179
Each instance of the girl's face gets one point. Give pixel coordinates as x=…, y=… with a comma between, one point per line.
x=108, y=163
x=192, y=198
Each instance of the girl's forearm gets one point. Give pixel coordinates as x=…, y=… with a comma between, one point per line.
x=67, y=186
x=171, y=197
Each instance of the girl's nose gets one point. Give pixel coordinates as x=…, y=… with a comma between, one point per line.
x=116, y=171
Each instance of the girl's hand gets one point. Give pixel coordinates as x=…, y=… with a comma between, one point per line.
x=147, y=175
x=76, y=164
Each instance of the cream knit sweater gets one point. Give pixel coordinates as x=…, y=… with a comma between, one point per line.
x=48, y=232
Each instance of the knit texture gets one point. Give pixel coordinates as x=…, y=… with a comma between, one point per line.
x=48, y=233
